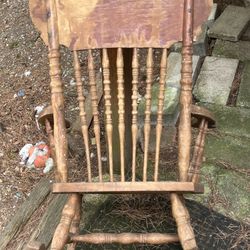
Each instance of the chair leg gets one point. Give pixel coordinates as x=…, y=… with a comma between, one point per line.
x=61, y=235
x=74, y=228
x=182, y=218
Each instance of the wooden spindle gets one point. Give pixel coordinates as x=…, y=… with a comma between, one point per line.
x=57, y=99
x=198, y=161
x=134, y=126
x=196, y=150
x=184, y=135
x=108, y=111
x=94, y=103
x=147, y=125
x=161, y=96
x=121, y=109
x=81, y=101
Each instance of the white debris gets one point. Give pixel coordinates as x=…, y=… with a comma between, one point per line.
x=38, y=110
x=27, y=73
x=92, y=155
x=48, y=166
x=139, y=97
x=24, y=153
x=104, y=158
x=72, y=82
x=93, y=141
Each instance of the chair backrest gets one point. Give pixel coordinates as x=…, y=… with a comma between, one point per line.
x=91, y=24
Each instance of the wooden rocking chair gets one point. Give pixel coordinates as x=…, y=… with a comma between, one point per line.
x=120, y=28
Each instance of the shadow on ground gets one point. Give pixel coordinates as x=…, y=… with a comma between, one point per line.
x=153, y=214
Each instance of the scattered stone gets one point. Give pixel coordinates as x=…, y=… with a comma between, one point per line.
x=21, y=93
x=172, y=88
x=243, y=99
x=246, y=35
x=237, y=50
x=215, y=80
x=232, y=121
x=231, y=24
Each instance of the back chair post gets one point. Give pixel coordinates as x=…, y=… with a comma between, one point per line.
x=186, y=91
x=57, y=99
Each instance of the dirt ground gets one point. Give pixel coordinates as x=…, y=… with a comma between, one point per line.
x=23, y=68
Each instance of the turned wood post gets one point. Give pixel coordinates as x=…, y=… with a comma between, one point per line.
x=127, y=61
x=57, y=99
x=182, y=218
x=70, y=210
x=186, y=91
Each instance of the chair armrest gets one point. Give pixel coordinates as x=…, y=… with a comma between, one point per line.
x=199, y=113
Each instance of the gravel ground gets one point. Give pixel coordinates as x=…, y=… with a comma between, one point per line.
x=23, y=66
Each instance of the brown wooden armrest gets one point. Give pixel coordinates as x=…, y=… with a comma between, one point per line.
x=198, y=113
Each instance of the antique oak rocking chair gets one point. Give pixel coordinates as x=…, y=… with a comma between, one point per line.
x=118, y=28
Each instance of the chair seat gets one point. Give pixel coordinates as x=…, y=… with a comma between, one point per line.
x=128, y=187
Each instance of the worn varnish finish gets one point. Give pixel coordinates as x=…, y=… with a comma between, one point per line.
x=160, y=111
x=134, y=97
x=83, y=117
x=85, y=24
x=184, y=135
x=94, y=104
x=128, y=187
x=57, y=99
x=126, y=238
x=121, y=110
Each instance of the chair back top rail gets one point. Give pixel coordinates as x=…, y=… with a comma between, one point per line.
x=88, y=24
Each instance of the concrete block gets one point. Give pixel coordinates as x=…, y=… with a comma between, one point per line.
x=227, y=186
x=243, y=99
x=247, y=3
x=231, y=23
x=213, y=15
x=246, y=34
x=215, y=80
x=232, y=121
x=227, y=148
x=237, y=50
